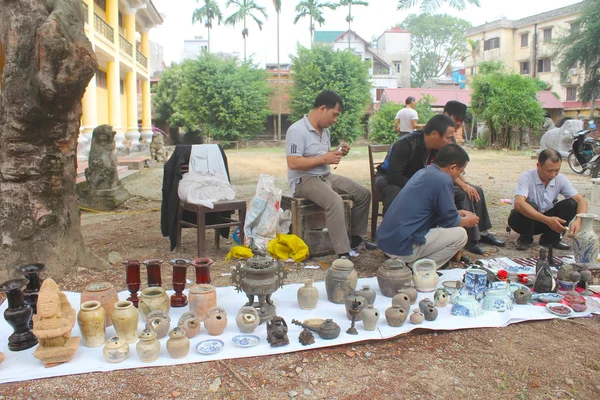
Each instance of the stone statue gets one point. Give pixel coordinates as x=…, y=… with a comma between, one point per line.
x=544, y=281
x=277, y=332
x=157, y=148
x=52, y=325
x=104, y=189
x=561, y=139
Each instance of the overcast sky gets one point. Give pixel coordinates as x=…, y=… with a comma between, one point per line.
x=262, y=45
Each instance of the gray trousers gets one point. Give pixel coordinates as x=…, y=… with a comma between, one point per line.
x=325, y=192
x=441, y=244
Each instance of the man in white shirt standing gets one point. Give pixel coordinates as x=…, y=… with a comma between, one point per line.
x=406, y=119
x=536, y=206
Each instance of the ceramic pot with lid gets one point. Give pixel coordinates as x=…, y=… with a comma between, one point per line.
x=340, y=280
x=425, y=275
x=393, y=275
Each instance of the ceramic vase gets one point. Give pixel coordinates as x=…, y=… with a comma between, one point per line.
x=340, y=280
x=133, y=280
x=585, y=246
x=401, y=299
x=247, y=319
x=393, y=275
x=30, y=293
x=475, y=282
x=178, y=344
x=411, y=292
x=105, y=294
x=440, y=297
x=308, y=296
x=216, y=321
x=153, y=299
x=148, y=347
x=430, y=313
x=125, y=318
x=425, y=275
x=116, y=349
x=395, y=316
x=368, y=293
x=361, y=303
x=18, y=314
x=202, y=267
x=159, y=322
x=180, y=266
x=202, y=298
x=190, y=323
x=153, y=272
x=424, y=304
x=370, y=316
x=91, y=320
x=417, y=317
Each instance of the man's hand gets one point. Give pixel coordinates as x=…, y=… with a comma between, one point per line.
x=470, y=221
x=465, y=213
x=556, y=224
x=345, y=148
x=471, y=192
x=575, y=227
x=332, y=157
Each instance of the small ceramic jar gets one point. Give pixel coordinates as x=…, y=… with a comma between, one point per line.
x=370, y=318
x=424, y=304
x=368, y=293
x=247, y=319
x=430, y=313
x=440, y=297
x=125, y=318
x=417, y=317
x=178, y=344
x=153, y=299
x=190, y=323
x=361, y=303
x=116, y=349
x=216, y=321
x=401, y=299
x=522, y=296
x=308, y=296
x=425, y=275
x=159, y=322
x=91, y=319
x=411, y=292
x=395, y=316
x=148, y=347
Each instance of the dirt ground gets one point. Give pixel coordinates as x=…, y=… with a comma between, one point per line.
x=535, y=360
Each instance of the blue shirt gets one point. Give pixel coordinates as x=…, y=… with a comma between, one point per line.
x=425, y=202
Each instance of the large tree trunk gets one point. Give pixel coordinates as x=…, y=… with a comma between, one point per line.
x=48, y=64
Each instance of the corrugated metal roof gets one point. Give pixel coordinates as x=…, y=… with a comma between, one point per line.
x=326, y=36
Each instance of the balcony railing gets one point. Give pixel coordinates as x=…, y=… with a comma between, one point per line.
x=85, y=11
x=142, y=59
x=103, y=28
x=125, y=46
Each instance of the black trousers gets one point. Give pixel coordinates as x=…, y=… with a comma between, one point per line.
x=527, y=227
x=479, y=208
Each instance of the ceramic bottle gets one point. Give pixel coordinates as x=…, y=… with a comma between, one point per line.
x=411, y=292
x=216, y=321
x=401, y=299
x=395, y=316
x=153, y=298
x=148, y=347
x=585, y=246
x=430, y=313
x=340, y=280
x=440, y=297
x=361, y=304
x=392, y=276
x=178, y=344
x=202, y=298
x=425, y=275
x=190, y=323
x=91, y=320
x=125, y=318
x=159, y=322
x=308, y=296
x=416, y=317
x=105, y=294
x=370, y=316
x=116, y=349
x=424, y=304
x=368, y=293
x=247, y=319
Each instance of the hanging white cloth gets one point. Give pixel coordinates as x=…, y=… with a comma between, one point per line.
x=208, y=160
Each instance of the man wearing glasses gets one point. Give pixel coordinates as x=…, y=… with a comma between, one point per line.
x=469, y=197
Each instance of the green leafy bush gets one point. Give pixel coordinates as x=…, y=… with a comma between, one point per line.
x=381, y=124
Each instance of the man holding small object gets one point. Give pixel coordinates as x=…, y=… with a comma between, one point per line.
x=308, y=144
x=537, y=209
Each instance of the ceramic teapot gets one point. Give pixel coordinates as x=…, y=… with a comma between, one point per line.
x=425, y=277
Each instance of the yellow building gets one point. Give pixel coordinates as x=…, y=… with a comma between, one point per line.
x=524, y=47
x=118, y=31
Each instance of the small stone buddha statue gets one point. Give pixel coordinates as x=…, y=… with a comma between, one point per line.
x=52, y=325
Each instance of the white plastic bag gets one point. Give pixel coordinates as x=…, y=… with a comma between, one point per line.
x=262, y=217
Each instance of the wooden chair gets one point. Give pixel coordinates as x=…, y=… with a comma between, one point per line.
x=375, y=194
x=200, y=225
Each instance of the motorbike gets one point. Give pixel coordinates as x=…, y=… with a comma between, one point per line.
x=585, y=154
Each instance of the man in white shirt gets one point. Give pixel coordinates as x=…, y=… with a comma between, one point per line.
x=536, y=206
x=406, y=119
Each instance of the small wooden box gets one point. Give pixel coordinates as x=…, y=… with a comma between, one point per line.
x=308, y=223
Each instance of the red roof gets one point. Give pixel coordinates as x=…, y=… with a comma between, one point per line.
x=397, y=29
x=578, y=104
x=442, y=96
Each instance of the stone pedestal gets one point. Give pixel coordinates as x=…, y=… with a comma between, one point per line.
x=102, y=199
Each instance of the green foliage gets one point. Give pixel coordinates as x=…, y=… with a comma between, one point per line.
x=322, y=68
x=207, y=13
x=381, y=124
x=423, y=108
x=432, y=5
x=506, y=102
x=581, y=47
x=225, y=101
x=480, y=143
x=313, y=9
x=541, y=85
x=489, y=67
x=437, y=41
x=165, y=93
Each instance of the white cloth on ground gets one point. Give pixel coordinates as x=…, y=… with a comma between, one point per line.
x=208, y=158
x=203, y=189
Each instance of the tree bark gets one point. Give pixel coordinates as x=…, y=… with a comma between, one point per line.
x=48, y=64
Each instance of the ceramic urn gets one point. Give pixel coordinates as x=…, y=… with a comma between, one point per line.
x=395, y=316
x=116, y=349
x=393, y=275
x=202, y=298
x=125, y=318
x=216, y=321
x=91, y=321
x=247, y=319
x=153, y=298
x=148, y=347
x=340, y=280
x=178, y=344
x=370, y=317
x=105, y=294
x=425, y=275
x=308, y=296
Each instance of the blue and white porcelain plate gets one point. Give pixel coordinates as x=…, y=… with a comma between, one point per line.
x=513, y=286
x=245, y=340
x=210, y=346
x=547, y=297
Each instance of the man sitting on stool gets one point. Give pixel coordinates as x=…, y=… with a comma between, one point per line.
x=537, y=209
x=423, y=221
x=309, y=157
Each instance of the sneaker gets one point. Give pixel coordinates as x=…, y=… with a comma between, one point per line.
x=523, y=243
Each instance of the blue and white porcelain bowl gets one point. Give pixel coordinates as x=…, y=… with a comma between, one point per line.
x=497, y=300
x=466, y=306
x=245, y=340
x=547, y=297
x=209, y=346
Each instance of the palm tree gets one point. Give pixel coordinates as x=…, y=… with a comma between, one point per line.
x=474, y=50
x=208, y=12
x=349, y=17
x=432, y=5
x=314, y=10
x=245, y=8
x=277, y=5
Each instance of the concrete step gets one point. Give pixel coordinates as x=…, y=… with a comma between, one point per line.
x=122, y=171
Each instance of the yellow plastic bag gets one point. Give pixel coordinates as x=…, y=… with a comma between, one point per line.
x=286, y=246
x=239, y=252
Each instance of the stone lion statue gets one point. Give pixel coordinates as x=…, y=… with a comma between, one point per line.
x=102, y=170
x=157, y=148
x=561, y=139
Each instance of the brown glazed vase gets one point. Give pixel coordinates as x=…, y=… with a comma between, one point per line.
x=202, y=298
x=91, y=319
x=105, y=294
